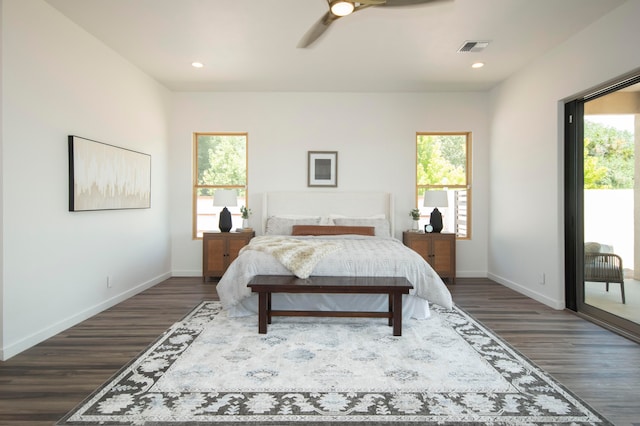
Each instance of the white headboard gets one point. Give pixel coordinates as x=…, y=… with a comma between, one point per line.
x=326, y=203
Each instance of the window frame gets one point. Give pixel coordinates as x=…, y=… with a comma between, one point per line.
x=196, y=187
x=466, y=186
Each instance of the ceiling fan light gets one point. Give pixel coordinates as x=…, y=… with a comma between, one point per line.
x=341, y=7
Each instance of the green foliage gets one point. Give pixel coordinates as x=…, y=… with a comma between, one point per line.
x=593, y=172
x=221, y=160
x=608, y=157
x=245, y=212
x=441, y=159
x=415, y=214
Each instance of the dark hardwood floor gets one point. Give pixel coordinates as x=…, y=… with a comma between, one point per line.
x=40, y=385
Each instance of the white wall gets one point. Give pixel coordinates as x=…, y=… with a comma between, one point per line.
x=374, y=134
x=1, y=184
x=608, y=217
x=526, y=237
x=58, y=80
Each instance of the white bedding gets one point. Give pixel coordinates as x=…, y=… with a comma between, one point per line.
x=358, y=256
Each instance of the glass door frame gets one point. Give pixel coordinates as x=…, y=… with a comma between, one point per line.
x=574, y=213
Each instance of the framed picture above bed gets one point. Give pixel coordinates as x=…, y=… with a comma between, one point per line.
x=322, y=169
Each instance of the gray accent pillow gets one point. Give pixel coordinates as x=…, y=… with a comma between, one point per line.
x=283, y=226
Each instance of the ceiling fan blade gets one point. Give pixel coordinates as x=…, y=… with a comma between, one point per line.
x=327, y=19
x=317, y=29
x=399, y=3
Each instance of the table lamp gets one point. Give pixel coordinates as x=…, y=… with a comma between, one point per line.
x=225, y=198
x=436, y=199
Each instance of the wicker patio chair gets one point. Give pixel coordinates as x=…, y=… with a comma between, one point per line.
x=603, y=267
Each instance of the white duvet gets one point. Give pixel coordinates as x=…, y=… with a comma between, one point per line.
x=357, y=256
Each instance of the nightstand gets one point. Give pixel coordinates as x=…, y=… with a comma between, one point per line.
x=438, y=249
x=219, y=249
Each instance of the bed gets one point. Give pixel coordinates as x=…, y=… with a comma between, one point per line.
x=338, y=234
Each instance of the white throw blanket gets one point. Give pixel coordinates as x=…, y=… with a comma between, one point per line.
x=298, y=256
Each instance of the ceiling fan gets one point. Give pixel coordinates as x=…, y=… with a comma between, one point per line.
x=341, y=8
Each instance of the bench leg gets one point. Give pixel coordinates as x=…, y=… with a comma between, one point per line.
x=390, y=309
x=397, y=314
x=268, y=308
x=262, y=312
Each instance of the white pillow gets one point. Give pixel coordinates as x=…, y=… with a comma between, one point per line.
x=332, y=216
x=296, y=216
x=279, y=225
x=382, y=228
x=326, y=220
x=341, y=216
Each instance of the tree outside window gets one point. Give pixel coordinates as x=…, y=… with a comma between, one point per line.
x=609, y=155
x=220, y=163
x=444, y=163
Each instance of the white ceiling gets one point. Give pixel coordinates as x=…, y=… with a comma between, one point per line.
x=250, y=45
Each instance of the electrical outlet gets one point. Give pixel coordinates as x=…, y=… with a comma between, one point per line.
x=109, y=282
x=542, y=279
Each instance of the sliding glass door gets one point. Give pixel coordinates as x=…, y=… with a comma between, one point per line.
x=603, y=206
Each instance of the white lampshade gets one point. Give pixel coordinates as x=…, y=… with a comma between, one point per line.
x=436, y=199
x=225, y=198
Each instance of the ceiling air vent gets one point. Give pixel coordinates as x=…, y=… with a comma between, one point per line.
x=473, y=46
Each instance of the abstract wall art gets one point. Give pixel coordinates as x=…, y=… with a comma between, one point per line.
x=107, y=177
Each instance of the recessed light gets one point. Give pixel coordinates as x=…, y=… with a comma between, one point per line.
x=477, y=65
x=197, y=64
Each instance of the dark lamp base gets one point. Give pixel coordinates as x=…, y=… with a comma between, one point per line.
x=435, y=219
x=225, y=220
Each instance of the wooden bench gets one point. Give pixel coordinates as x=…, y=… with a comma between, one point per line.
x=265, y=285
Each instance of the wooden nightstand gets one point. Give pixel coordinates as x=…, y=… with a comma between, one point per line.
x=219, y=249
x=438, y=249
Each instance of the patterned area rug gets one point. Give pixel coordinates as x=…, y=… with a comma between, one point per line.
x=448, y=369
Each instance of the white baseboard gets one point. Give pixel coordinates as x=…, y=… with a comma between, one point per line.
x=42, y=335
x=187, y=273
x=553, y=303
x=471, y=274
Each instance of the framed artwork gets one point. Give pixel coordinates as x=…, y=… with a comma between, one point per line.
x=106, y=177
x=323, y=169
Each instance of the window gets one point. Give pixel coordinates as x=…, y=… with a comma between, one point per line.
x=220, y=162
x=444, y=163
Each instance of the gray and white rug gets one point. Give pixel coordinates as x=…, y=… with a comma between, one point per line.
x=448, y=369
